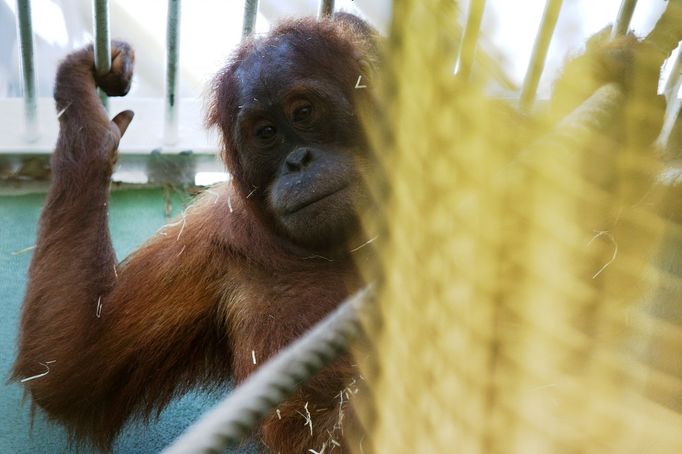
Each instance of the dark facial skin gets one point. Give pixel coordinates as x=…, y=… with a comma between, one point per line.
x=301, y=145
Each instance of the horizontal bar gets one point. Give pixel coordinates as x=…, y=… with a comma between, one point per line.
x=172, y=81
x=250, y=14
x=26, y=172
x=143, y=135
x=622, y=23
x=326, y=8
x=539, y=54
x=25, y=24
x=472, y=29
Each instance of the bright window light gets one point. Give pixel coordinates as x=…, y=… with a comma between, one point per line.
x=209, y=178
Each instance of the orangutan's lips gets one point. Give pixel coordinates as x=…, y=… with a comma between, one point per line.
x=314, y=199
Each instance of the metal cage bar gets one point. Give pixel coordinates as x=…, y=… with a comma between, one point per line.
x=674, y=80
x=472, y=29
x=25, y=26
x=250, y=14
x=100, y=11
x=671, y=92
x=172, y=81
x=540, y=48
x=326, y=8
x=622, y=24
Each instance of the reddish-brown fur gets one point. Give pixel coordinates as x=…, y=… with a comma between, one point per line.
x=189, y=307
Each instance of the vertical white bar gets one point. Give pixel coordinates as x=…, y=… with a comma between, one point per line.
x=537, y=59
x=467, y=48
x=672, y=96
x=622, y=24
x=100, y=13
x=170, y=135
x=250, y=14
x=25, y=27
x=326, y=8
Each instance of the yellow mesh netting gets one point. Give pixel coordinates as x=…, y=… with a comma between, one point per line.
x=529, y=294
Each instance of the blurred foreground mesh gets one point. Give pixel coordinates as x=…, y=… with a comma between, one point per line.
x=530, y=298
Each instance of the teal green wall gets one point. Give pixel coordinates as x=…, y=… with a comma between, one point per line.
x=135, y=215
